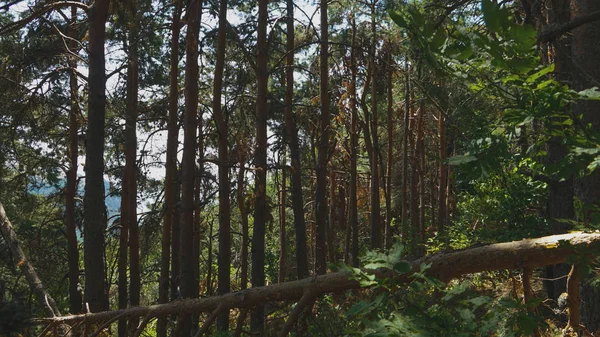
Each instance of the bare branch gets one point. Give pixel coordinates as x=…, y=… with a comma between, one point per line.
x=47, y=8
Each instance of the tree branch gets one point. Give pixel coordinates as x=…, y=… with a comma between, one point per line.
x=55, y=5
x=552, y=32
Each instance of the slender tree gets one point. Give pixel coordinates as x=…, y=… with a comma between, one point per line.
x=170, y=170
x=292, y=140
x=585, y=53
x=71, y=191
x=224, y=257
x=323, y=148
x=94, y=208
x=407, y=102
x=282, y=218
x=390, y=151
x=188, y=165
x=260, y=158
x=353, y=206
x=376, y=239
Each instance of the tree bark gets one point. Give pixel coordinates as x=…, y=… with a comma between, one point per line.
x=353, y=207
x=390, y=152
x=170, y=169
x=188, y=286
x=224, y=257
x=585, y=54
x=529, y=253
x=404, y=215
x=35, y=283
x=292, y=140
x=130, y=158
x=376, y=239
x=71, y=191
x=321, y=222
x=260, y=212
x=94, y=207
x=282, y=231
x=241, y=201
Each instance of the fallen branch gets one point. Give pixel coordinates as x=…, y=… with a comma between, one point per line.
x=8, y=232
x=530, y=253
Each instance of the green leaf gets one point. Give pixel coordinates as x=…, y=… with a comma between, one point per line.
x=398, y=18
x=525, y=37
x=438, y=40
x=491, y=15
x=540, y=73
x=591, y=94
x=402, y=267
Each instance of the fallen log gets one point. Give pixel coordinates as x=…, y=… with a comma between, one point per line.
x=528, y=253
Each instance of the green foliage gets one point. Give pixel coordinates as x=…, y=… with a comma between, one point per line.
x=428, y=307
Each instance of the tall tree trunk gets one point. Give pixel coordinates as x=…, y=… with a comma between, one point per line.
x=170, y=169
x=376, y=239
x=390, y=153
x=414, y=182
x=332, y=215
x=130, y=157
x=260, y=212
x=94, y=208
x=224, y=257
x=129, y=237
x=421, y=176
x=292, y=139
x=586, y=55
x=71, y=191
x=443, y=175
x=353, y=207
x=176, y=238
x=282, y=233
x=561, y=193
x=404, y=216
x=241, y=201
x=323, y=148
x=188, y=164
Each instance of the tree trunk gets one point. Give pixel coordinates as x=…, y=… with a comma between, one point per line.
x=241, y=201
x=282, y=233
x=130, y=157
x=260, y=212
x=390, y=153
x=188, y=286
x=404, y=216
x=170, y=169
x=94, y=208
x=71, y=191
x=443, y=175
x=176, y=239
x=323, y=148
x=35, y=284
x=529, y=253
x=353, y=207
x=292, y=139
x=224, y=257
x=376, y=239
x=586, y=56
x=332, y=215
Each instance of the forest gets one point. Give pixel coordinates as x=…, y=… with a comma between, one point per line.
x=190, y=168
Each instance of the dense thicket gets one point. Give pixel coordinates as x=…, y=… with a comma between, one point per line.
x=141, y=139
